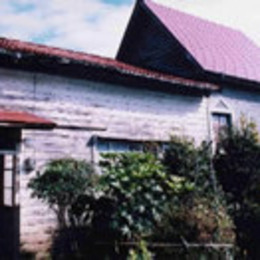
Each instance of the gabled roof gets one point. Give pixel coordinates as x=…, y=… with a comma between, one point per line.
x=214, y=47
x=102, y=67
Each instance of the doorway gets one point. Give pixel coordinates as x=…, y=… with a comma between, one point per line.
x=11, y=125
x=9, y=191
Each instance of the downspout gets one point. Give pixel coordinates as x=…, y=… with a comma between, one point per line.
x=213, y=176
x=208, y=119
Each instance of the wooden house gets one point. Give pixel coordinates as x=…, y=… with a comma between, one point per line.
x=59, y=103
x=169, y=41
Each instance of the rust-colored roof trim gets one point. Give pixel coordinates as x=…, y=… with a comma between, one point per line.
x=20, y=48
x=24, y=120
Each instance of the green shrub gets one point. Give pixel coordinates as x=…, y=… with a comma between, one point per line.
x=199, y=215
x=141, y=253
x=237, y=160
x=60, y=185
x=237, y=163
x=140, y=188
x=194, y=221
x=183, y=158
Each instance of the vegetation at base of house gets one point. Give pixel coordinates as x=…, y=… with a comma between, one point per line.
x=200, y=215
x=60, y=185
x=140, y=253
x=140, y=188
x=237, y=164
x=188, y=196
x=195, y=221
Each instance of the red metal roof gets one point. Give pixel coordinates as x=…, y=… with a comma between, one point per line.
x=215, y=47
x=93, y=60
x=24, y=119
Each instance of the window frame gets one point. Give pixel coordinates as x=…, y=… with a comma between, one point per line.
x=216, y=132
x=9, y=147
x=219, y=106
x=135, y=142
x=11, y=188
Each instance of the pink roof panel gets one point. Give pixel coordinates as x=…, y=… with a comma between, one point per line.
x=215, y=47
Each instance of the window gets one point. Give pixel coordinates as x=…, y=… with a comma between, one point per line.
x=106, y=145
x=120, y=145
x=9, y=139
x=220, y=121
x=8, y=180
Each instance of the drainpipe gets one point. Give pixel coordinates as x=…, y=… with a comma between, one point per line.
x=208, y=117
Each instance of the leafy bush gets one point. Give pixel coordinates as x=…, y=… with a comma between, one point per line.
x=183, y=158
x=200, y=215
x=61, y=183
x=195, y=221
x=141, y=253
x=237, y=160
x=237, y=163
x=140, y=188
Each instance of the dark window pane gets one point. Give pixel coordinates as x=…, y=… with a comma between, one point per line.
x=9, y=138
x=113, y=145
x=220, y=121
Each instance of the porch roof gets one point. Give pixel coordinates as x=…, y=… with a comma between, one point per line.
x=22, y=119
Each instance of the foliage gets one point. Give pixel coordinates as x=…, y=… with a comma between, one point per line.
x=183, y=158
x=140, y=188
x=200, y=215
x=194, y=222
x=141, y=253
x=237, y=164
x=237, y=160
x=61, y=183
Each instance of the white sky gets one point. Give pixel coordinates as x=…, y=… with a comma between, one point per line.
x=97, y=26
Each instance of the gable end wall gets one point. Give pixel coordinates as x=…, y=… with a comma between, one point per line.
x=148, y=44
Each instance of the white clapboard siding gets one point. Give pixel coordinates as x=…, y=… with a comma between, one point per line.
x=105, y=110
x=238, y=103
x=99, y=109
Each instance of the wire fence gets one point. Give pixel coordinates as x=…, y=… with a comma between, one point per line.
x=75, y=244
x=185, y=251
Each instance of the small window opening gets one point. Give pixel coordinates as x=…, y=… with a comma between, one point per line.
x=220, y=121
x=119, y=145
